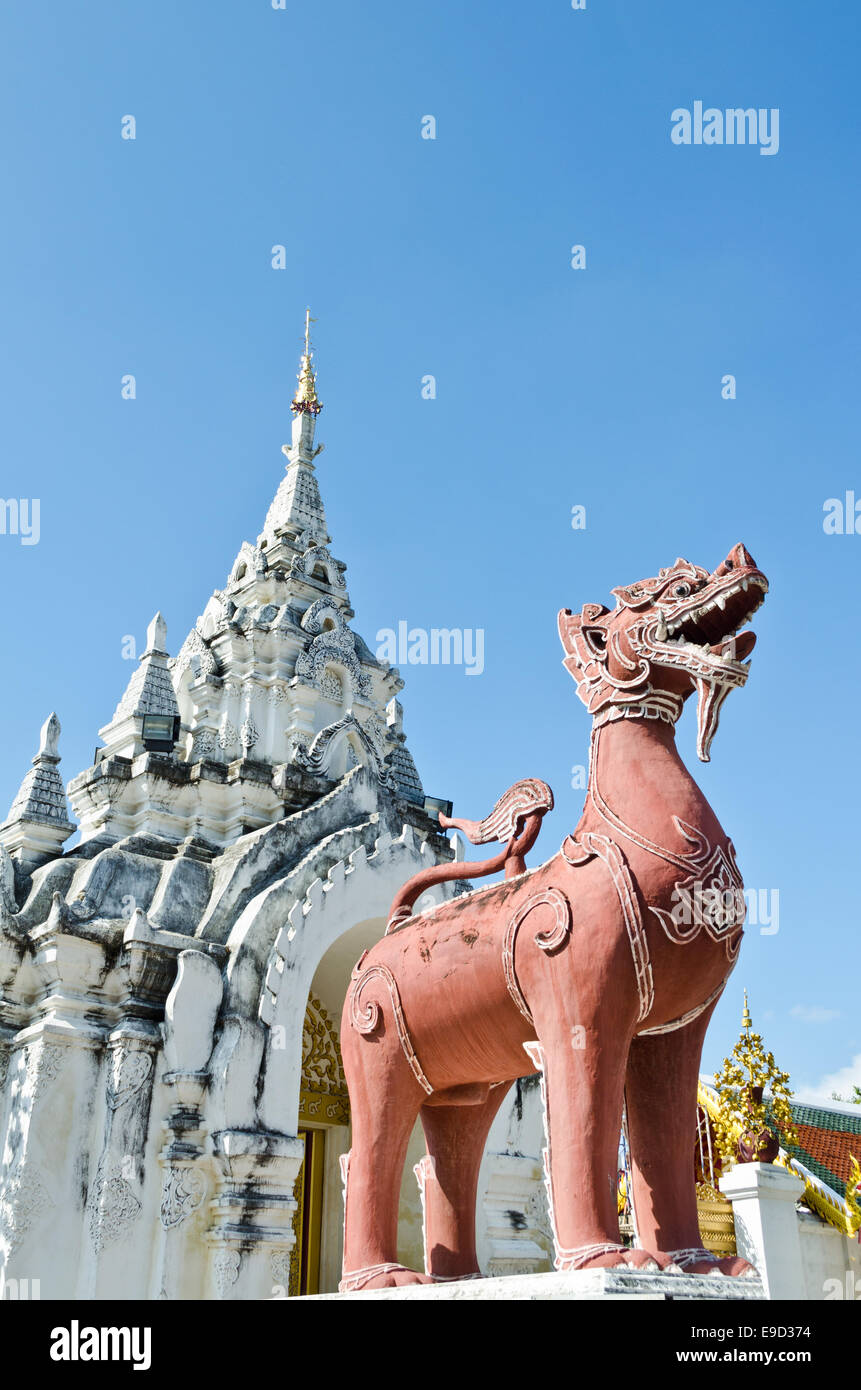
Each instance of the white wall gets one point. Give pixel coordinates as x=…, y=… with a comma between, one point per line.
x=831, y=1261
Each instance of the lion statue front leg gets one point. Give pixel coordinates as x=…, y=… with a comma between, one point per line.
x=583, y=1026
x=660, y=1091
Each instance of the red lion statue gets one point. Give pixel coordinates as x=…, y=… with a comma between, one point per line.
x=599, y=969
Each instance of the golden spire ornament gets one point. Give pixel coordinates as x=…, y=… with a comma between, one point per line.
x=746, y=1126
x=305, y=402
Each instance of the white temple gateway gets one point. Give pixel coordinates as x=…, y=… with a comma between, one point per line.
x=173, y=1104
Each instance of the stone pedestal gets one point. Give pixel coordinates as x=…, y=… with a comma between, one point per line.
x=582, y=1284
x=763, y=1198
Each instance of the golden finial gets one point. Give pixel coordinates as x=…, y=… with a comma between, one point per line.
x=305, y=401
x=746, y=1020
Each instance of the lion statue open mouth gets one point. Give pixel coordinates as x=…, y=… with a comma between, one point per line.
x=685, y=621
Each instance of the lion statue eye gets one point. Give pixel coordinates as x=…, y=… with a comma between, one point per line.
x=682, y=590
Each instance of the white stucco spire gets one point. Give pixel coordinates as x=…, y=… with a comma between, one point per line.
x=404, y=771
x=272, y=697
x=49, y=738
x=149, y=693
x=38, y=821
x=156, y=636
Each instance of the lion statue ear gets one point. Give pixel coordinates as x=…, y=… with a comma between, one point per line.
x=569, y=625
x=581, y=636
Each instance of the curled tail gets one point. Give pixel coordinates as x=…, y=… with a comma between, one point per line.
x=516, y=818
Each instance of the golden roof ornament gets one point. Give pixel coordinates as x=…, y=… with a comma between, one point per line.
x=746, y=1127
x=305, y=401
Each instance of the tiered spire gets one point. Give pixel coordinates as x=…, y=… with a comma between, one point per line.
x=149, y=693
x=272, y=696
x=404, y=770
x=297, y=506
x=38, y=821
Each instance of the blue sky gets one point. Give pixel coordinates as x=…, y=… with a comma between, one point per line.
x=555, y=387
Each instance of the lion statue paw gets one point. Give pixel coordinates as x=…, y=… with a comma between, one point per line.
x=699, y=1261
x=384, y=1276
x=608, y=1255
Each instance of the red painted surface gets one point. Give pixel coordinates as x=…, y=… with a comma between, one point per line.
x=600, y=968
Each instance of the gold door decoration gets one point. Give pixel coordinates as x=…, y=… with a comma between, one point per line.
x=307, y=1223
x=323, y=1098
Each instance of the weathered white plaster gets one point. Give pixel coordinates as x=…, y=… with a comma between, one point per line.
x=604, y=1284
x=830, y=1260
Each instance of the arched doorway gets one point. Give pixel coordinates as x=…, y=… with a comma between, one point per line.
x=324, y=1123
x=324, y=1106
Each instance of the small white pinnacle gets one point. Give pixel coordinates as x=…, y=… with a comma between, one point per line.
x=156, y=635
x=49, y=737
